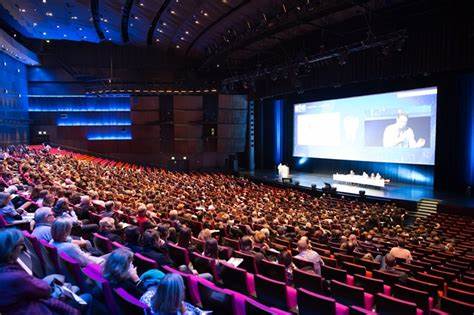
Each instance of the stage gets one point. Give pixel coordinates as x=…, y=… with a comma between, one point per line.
x=392, y=191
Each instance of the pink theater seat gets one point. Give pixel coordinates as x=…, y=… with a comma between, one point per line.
x=310, y=303
x=351, y=295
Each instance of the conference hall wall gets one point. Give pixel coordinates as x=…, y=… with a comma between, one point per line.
x=454, y=157
x=13, y=101
x=181, y=132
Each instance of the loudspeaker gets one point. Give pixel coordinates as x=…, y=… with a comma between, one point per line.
x=286, y=180
x=314, y=187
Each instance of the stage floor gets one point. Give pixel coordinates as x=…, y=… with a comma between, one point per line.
x=397, y=191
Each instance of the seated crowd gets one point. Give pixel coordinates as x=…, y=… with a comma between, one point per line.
x=103, y=214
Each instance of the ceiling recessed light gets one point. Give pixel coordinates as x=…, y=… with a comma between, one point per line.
x=177, y=46
x=187, y=32
x=205, y=14
x=196, y=22
x=48, y=41
x=164, y=24
x=65, y=35
x=173, y=12
x=44, y=33
x=44, y=1
x=107, y=31
x=141, y=4
x=80, y=28
x=182, y=38
x=135, y=17
x=49, y=13
x=34, y=24
x=74, y=17
x=57, y=26
x=22, y=10
x=157, y=39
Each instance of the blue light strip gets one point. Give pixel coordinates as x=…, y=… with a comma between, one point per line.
x=103, y=138
x=80, y=110
x=278, y=112
x=98, y=124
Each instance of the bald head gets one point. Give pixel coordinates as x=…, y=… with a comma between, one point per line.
x=302, y=245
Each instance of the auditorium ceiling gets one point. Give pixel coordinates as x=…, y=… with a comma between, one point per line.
x=202, y=29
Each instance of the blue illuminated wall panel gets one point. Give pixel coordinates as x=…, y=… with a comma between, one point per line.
x=14, y=124
x=76, y=119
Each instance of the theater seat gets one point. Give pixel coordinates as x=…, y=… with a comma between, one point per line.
x=461, y=295
x=249, y=263
x=310, y=303
x=357, y=310
x=351, y=295
x=274, y=293
x=307, y=280
x=33, y=246
x=254, y=308
x=272, y=270
x=388, y=305
x=50, y=257
x=128, y=304
x=456, y=307
x=71, y=269
x=421, y=298
x=102, y=243
x=204, y=264
x=371, y=285
x=178, y=255
x=214, y=298
x=237, y=279
x=331, y=273
x=143, y=263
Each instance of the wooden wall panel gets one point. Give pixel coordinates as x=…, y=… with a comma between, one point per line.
x=145, y=103
x=188, y=131
x=184, y=116
x=230, y=145
x=145, y=132
x=145, y=117
x=187, y=146
x=187, y=102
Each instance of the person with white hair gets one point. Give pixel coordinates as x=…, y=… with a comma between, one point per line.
x=20, y=292
x=44, y=218
x=60, y=232
x=8, y=210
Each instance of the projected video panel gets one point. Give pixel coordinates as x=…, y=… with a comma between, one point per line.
x=396, y=127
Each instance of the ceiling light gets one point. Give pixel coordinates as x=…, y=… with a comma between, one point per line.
x=196, y=22
x=141, y=4
x=182, y=38
x=135, y=17
x=106, y=21
x=49, y=13
x=34, y=24
x=157, y=39
x=44, y=1
x=164, y=23
x=57, y=26
x=173, y=12
x=80, y=28
x=65, y=35
x=48, y=41
x=44, y=33
x=205, y=14
x=177, y=46
x=187, y=32
x=22, y=10
x=73, y=17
